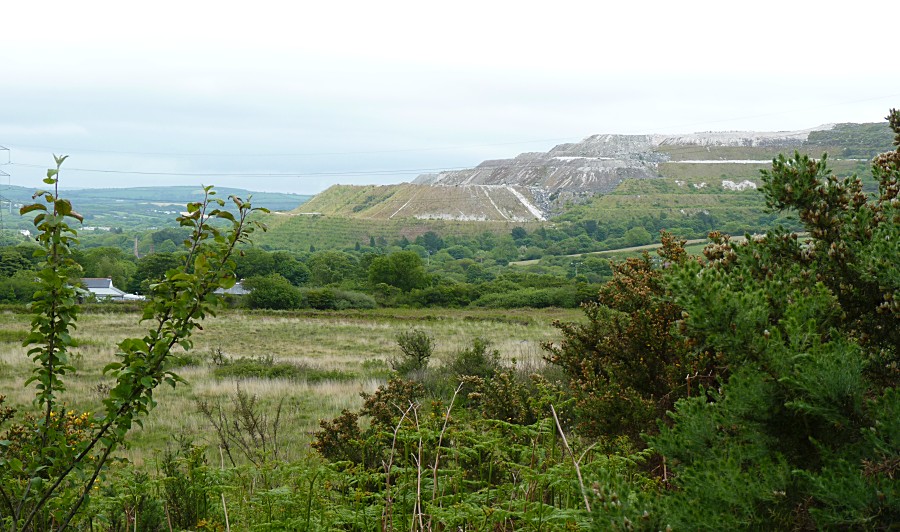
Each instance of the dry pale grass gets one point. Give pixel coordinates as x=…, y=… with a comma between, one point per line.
x=347, y=342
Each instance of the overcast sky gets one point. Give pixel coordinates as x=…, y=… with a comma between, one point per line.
x=296, y=96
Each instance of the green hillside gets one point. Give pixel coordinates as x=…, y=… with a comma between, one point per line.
x=300, y=232
x=138, y=208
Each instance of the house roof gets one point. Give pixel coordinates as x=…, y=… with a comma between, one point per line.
x=97, y=282
x=102, y=287
x=236, y=290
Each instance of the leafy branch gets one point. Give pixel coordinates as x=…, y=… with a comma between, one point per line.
x=175, y=307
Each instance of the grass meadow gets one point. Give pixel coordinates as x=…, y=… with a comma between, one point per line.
x=351, y=350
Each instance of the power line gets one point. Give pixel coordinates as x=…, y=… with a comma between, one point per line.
x=299, y=154
x=255, y=174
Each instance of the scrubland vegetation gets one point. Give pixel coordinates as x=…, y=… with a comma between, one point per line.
x=750, y=387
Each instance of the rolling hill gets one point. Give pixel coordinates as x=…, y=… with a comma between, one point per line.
x=136, y=208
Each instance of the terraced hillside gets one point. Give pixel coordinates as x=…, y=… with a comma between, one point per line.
x=599, y=163
x=699, y=181
x=423, y=202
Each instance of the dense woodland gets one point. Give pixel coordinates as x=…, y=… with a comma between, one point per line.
x=752, y=386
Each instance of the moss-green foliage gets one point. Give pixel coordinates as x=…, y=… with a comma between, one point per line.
x=274, y=292
x=476, y=361
x=18, y=287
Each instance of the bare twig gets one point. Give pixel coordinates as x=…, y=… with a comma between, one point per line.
x=387, y=515
x=417, y=458
x=587, y=503
x=437, y=452
x=168, y=518
x=225, y=509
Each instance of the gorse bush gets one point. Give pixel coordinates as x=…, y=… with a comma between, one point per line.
x=801, y=429
x=187, y=485
x=625, y=366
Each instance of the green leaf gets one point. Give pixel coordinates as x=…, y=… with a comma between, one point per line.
x=33, y=207
x=63, y=206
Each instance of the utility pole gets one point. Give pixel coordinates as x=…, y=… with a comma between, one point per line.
x=3, y=196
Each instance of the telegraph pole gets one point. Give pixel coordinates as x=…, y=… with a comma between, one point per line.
x=4, y=151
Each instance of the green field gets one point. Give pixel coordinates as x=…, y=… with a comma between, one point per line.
x=350, y=348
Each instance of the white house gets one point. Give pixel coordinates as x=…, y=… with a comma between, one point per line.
x=103, y=288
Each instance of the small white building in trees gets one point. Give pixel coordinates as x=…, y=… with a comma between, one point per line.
x=103, y=289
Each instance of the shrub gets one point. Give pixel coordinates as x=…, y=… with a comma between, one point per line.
x=347, y=299
x=476, y=361
x=506, y=398
x=272, y=292
x=416, y=347
x=444, y=295
x=335, y=299
x=341, y=439
x=320, y=298
x=187, y=484
x=246, y=429
x=625, y=367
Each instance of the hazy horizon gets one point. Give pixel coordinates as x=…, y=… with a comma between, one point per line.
x=297, y=98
